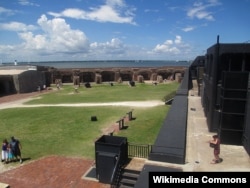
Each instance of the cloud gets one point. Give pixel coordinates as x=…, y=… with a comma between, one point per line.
x=114, y=11
x=167, y=46
x=177, y=39
x=200, y=11
x=113, y=3
x=5, y=11
x=27, y=3
x=170, y=46
x=110, y=48
x=16, y=26
x=151, y=10
x=187, y=29
x=56, y=37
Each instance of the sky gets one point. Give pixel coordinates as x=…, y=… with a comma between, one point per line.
x=79, y=30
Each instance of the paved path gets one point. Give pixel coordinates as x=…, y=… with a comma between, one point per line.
x=18, y=100
x=199, y=154
x=142, y=104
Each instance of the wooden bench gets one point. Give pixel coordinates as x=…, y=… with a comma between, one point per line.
x=130, y=116
x=121, y=123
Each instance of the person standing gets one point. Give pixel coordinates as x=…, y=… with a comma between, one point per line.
x=10, y=154
x=5, y=151
x=215, y=144
x=16, y=148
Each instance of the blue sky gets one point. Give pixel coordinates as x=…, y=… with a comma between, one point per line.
x=48, y=30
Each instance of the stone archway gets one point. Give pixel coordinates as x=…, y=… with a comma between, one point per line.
x=87, y=76
x=108, y=76
x=146, y=74
x=126, y=75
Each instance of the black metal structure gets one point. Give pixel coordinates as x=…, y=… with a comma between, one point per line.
x=108, y=149
x=246, y=132
x=233, y=100
x=225, y=88
x=169, y=147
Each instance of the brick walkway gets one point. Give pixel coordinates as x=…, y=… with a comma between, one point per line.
x=14, y=97
x=52, y=172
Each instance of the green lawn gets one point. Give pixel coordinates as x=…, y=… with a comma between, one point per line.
x=69, y=131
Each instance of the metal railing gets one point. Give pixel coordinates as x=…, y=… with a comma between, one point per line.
x=115, y=178
x=139, y=150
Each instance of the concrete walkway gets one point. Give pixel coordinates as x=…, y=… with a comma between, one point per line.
x=198, y=153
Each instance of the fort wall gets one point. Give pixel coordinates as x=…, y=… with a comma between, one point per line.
x=99, y=75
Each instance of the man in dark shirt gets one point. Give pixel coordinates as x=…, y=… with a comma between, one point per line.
x=16, y=148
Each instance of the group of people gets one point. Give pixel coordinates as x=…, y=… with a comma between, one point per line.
x=11, y=151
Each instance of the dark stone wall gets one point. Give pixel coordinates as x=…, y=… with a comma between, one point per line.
x=29, y=81
x=40, y=76
x=115, y=74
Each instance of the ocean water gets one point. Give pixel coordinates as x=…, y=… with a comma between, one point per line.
x=108, y=64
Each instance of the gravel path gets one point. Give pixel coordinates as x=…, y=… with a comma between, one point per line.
x=143, y=104
x=18, y=100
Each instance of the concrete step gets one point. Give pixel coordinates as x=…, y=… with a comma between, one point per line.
x=127, y=182
x=130, y=175
x=4, y=185
x=129, y=178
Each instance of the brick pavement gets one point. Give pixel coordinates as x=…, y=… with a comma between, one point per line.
x=51, y=172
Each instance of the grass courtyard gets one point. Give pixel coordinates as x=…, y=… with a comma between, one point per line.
x=69, y=131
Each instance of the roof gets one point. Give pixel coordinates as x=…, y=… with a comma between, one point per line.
x=11, y=72
x=15, y=70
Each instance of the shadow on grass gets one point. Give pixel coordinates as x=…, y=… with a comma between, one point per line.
x=124, y=127
x=23, y=160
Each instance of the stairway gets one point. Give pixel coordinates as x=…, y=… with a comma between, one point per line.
x=129, y=178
